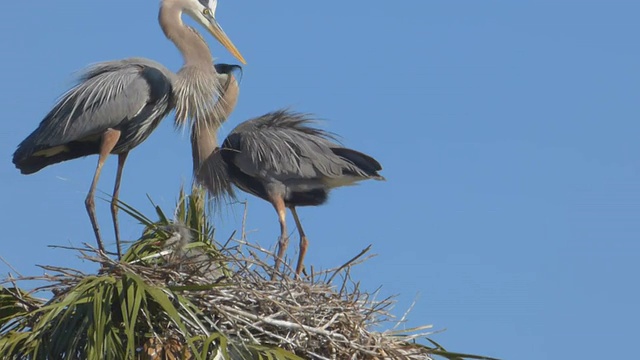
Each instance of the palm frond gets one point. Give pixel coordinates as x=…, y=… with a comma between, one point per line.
x=178, y=294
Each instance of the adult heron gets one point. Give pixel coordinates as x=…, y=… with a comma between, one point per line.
x=278, y=157
x=117, y=104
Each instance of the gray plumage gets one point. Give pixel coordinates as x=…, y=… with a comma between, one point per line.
x=282, y=151
x=196, y=259
x=280, y=157
x=284, y=145
x=117, y=104
x=130, y=95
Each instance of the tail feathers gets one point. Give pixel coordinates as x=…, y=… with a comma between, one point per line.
x=33, y=159
x=363, y=161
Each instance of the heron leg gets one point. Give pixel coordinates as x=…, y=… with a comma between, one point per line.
x=303, y=242
x=109, y=140
x=114, y=200
x=283, y=240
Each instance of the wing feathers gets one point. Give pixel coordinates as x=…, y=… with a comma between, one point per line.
x=283, y=146
x=108, y=95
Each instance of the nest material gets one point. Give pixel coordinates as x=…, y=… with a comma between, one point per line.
x=323, y=316
x=314, y=318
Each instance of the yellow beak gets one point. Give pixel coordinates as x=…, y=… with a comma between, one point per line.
x=217, y=32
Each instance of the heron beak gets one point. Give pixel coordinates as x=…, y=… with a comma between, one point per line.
x=217, y=32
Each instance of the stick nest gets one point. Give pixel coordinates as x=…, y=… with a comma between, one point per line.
x=231, y=290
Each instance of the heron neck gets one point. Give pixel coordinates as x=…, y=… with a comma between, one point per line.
x=189, y=42
x=204, y=132
x=203, y=144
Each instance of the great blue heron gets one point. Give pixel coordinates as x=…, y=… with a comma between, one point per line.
x=117, y=104
x=278, y=157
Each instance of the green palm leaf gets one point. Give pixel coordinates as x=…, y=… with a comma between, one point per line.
x=177, y=294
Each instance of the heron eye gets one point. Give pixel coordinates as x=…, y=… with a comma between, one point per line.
x=206, y=12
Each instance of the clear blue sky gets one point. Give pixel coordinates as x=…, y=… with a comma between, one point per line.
x=508, y=132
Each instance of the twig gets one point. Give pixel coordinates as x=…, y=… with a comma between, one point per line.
x=287, y=324
x=10, y=266
x=348, y=263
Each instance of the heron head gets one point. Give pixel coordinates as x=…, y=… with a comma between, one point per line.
x=204, y=11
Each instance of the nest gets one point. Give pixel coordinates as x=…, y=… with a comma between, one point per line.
x=176, y=294
x=230, y=298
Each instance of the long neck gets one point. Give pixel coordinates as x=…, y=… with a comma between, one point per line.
x=192, y=46
x=209, y=166
x=203, y=133
x=203, y=144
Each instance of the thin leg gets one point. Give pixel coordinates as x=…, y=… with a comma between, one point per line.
x=109, y=140
x=303, y=242
x=283, y=240
x=114, y=200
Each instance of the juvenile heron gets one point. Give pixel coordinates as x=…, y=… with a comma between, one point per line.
x=278, y=157
x=117, y=104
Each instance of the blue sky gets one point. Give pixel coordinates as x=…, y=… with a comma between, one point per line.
x=508, y=132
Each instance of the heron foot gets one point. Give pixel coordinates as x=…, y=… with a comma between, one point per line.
x=91, y=210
